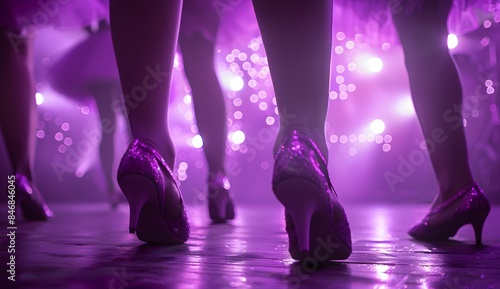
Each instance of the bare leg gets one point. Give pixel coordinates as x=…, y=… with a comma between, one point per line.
x=145, y=46
x=144, y=36
x=208, y=99
x=18, y=112
x=198, y=54
x=105, y=94
x=297, y=37
x=436, y=92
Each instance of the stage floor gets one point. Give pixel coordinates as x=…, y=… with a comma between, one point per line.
x=88, y=246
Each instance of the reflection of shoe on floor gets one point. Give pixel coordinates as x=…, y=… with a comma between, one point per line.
x=30, y=200
x=220, y=203
x=316, y=223
x=468, y=206
x=148, y=183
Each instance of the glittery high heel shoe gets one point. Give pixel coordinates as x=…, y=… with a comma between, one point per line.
x=146, y=179
x=220, y=203
x=468, y=206
x=31, y=201
x=316, y=223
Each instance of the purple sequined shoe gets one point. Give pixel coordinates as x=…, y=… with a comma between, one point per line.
x=316, y=223
x=146, y=180
x=31, y=201
x=468, y=206
x=220, y=203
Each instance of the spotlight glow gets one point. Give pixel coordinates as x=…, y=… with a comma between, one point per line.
x=375, y=64
x=377, y=126
x=176, y=61
x=197, y=141
x=405, y=106
x=236, y=84
x=452, y=41
x=39, y=98
x=237, y=137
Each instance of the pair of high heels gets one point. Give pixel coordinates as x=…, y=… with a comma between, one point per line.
x=149, y=186
x=30, y=200
x=468, y=206
x=315, y=220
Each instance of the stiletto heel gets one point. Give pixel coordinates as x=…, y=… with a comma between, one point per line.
x=145, y=179
x=478, y=228
x=301, y=200
x=468, y=206
x=220, y=203
x=133, y=184
x=315, y=220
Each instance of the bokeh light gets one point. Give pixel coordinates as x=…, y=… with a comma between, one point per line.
x=452, y=41
x=197, y=141
x=236, y=84
x=40, y=98
x=377, y=126
x=375, y=64
x=237, y=137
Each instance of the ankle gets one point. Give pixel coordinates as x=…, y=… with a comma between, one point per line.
x=316, y=134
x=451, y=190
x=164, y=147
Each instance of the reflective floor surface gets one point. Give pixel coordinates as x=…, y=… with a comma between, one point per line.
x=88, y=246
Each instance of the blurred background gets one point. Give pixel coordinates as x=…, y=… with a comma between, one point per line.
x=375, y=143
